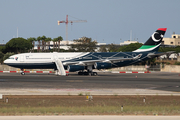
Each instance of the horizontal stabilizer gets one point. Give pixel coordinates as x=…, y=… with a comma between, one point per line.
x=152, y=55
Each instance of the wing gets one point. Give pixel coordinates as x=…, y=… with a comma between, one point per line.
x=108, y=60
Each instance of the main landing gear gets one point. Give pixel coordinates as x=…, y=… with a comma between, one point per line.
x=88, y=73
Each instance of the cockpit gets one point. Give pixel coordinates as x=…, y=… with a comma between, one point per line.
x=12, y=58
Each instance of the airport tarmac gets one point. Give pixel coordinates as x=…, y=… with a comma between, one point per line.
x=155, y=83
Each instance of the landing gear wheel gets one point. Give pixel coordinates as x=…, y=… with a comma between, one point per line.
x=22, y=73
x=90, y=74
x=95, y=73
x=80, y=73
x=86, y=73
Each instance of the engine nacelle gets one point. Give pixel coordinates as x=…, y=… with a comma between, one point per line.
x=100, y=65
x=73, y=68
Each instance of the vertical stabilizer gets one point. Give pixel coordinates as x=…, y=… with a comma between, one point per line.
x=153, y=43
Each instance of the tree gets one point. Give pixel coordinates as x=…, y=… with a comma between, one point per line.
x=7, y=55
x=41, y=40
x=177, y=49
x=166, y=49
x=18, y=45
x=39, y=43
x=109, y=48
x=47, y=40
x=130, y=47
x=1, y=57
x=55, y=44
x=32, y=40
x=83, y=44
x=103, y=48
x=2, y=49
x=112, y=48
x=59, y=40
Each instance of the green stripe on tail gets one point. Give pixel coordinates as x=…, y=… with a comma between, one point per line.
x=147, y=46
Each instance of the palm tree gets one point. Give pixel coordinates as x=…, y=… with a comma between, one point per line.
x=54, y=43
x=32, y=40
x=59, y=40
x=41, y=40
x=39, y=43
x=48, y=40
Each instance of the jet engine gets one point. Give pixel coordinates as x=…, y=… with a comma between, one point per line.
x=100, y=65
x=73, y=68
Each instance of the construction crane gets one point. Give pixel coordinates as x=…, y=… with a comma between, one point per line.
x=68, y=21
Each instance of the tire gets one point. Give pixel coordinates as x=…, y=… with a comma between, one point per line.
x=22, y=73
x=80, y=73
x=95, y=73
x=86, y=73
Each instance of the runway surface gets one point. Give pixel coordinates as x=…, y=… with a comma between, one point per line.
x=156, y=83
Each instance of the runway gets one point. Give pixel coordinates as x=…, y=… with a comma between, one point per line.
x=156, y=83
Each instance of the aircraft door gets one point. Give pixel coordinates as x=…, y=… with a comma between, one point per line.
x=21, y=58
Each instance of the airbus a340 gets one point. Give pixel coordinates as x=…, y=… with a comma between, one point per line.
x=85, y=62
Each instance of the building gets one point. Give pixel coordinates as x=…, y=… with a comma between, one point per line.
x=128, y=42
x=173, y=41
x=65, y=45
x=2, y=44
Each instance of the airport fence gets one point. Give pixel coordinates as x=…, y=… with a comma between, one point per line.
x=138, y=68
x=164, y=68
x=154, y=68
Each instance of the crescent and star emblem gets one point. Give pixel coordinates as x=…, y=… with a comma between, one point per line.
x=154, y=39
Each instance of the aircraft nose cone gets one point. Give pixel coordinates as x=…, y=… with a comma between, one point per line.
x=5, y=62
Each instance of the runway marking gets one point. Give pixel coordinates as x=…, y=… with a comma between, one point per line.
x=130, y=72
x=73, y=89
x=68, y=72
x=33, y=91
x=151, y=88
x=29, y=72
x=74, y=81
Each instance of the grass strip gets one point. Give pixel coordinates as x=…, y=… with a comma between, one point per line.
x=95, y=110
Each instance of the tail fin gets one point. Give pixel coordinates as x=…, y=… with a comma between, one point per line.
x=153, y=43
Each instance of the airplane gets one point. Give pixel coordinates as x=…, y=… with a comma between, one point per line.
x=85, y=62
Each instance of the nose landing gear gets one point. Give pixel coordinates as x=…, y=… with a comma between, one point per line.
x=22, y=72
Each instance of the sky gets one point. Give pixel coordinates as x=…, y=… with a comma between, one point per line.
x=108, y=21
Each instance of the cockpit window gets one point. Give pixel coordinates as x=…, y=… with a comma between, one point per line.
x=11, y=58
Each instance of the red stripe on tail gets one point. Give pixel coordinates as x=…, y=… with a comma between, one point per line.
x=162, y=29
